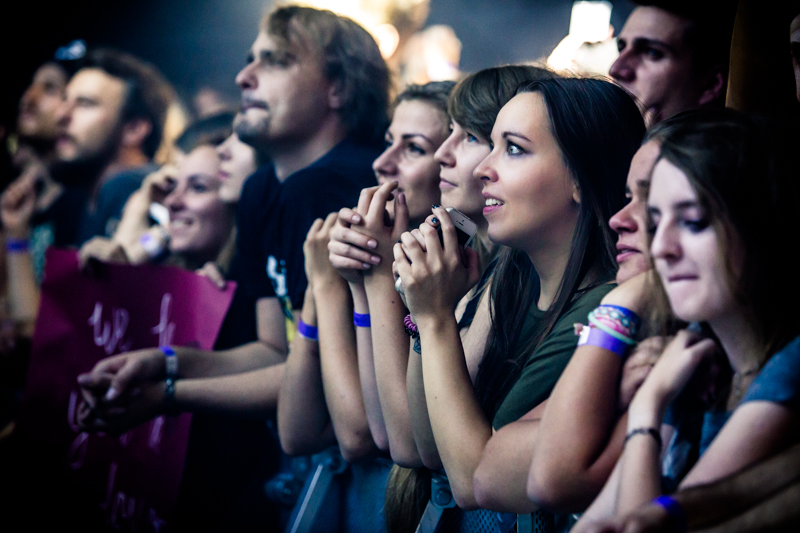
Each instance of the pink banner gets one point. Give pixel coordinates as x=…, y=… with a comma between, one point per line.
x=131, y=480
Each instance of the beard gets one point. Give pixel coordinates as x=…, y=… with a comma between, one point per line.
x=85, y=170
x=253, y=133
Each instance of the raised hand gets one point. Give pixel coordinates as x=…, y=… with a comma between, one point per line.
x=319, y=269
x=18, y=203
x=437, y=277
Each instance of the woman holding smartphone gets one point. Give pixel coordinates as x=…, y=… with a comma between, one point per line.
x=556, y=173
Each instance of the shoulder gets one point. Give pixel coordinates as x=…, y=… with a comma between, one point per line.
x=580, y=306
x=779, y=380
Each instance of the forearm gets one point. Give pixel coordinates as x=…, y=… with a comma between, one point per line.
x=418, y=407
x=303, y=420
x=23, y=292
x=340, y=377
x=459, y=425
x=366, y=371
x=252, y=393
x=715, y=503
x=779, y=513
x=195, y=363
x=501, y=477
x=579, y=446
x=390, y=345
x=640, y=476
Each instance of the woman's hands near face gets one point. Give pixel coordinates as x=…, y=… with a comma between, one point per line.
x=435, y=278
x=670, y=374
x=634, y=294
x=315, y=250
x=637, y=367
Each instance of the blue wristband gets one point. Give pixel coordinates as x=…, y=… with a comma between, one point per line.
x=674, y=510
x=307, y=332
x=171, y=362
x=16, y=246
x=361, y=320
x=595, y=336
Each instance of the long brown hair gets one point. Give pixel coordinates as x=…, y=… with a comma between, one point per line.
x=598, y=128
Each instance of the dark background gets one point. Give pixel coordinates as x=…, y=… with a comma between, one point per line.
x=204, y=42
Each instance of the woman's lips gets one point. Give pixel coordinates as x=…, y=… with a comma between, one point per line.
x=444, y=184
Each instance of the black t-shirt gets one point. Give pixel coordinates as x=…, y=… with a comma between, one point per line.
x=274, y=218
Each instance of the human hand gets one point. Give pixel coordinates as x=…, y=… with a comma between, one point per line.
x=636, y=368
x=100, y=249
x=380, y=226
x=18, y=203
x=668, y=377
x=635, y=294
x=319, y=269
x=435, y=279
x=351, y=252
x=114, y=376
x=135, y=219
x=141, y=403
x=211, y=271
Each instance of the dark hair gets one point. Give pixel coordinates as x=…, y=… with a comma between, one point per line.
x=213, y=130
x=351, y=59
x=598, y=128
x=741, y=169
x=408, y=491
x=477, y=99
x=148, y=94
x=435, y=93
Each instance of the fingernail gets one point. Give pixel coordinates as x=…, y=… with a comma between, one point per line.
x=111, y=393
x=356, y=218
x=366, y=265
x=434, y=220
x=83, y=379
x=375, y=259
x=401, y=198
x=372, y=243
x=434, y=206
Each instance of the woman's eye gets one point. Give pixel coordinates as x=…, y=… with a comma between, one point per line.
x=472, y=139
x=416, y=149
x=696, y=225
x=513, y=149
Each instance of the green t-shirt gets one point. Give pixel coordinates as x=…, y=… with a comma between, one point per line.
x=544, y=366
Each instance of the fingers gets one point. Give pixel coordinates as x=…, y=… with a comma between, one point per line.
x=365, y=199
x=378, y=204
x=449, y=236
x=400, y=214
x=342, y=253
x=212, y=273
x=353, y=237
x=349, y=216
x=412, y=249
x=420, y=239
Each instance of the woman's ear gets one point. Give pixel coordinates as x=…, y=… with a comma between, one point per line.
x=335, y=96
x=576, y=193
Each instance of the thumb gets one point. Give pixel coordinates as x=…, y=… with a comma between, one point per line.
x=400, y=215
x=121, y=381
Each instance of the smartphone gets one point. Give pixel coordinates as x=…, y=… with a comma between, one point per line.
x=465, y=230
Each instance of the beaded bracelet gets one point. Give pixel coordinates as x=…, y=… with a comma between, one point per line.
x=594, y=336
x=653, y=432
x=307, y=332
x=361, y=320
x=674, y=510
x=169, y=397
x=625, y=317
x=411, y=327
x=17, y=246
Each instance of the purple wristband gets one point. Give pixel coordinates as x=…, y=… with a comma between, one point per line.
x=307, y=332
x=597, y=337
x=361, y=320
x=674, y=510
x=16, y=246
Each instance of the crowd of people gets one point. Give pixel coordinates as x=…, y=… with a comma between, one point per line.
x=609, y=346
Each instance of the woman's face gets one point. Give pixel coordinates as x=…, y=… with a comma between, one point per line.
x=458, y=156
x=686, y=249
x=237, y=161
x=530, y=197
x=416, y=131
x=199, y=221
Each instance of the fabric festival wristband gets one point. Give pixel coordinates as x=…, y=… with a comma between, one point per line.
x=652, y=432
x=617, y=335
x=307, y=332
x=674, y=511
x=171, y=361
x=16, y=246
x=597, y=337
x=361, y=320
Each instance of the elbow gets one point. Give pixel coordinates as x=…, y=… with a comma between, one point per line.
x=356, y=447
x=559, y=490
x=405, y=456
x=431, y=460
x=464, y=496
x=482, y=490
x=294, y=446
x=381, y=441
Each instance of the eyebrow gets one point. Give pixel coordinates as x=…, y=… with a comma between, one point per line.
x=407, y=136
x=641, y=42
x=507, y=134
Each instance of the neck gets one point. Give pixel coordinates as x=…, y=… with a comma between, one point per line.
x=550, y=264
x=294, y=156
x=127, y=157
x=739, y=340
